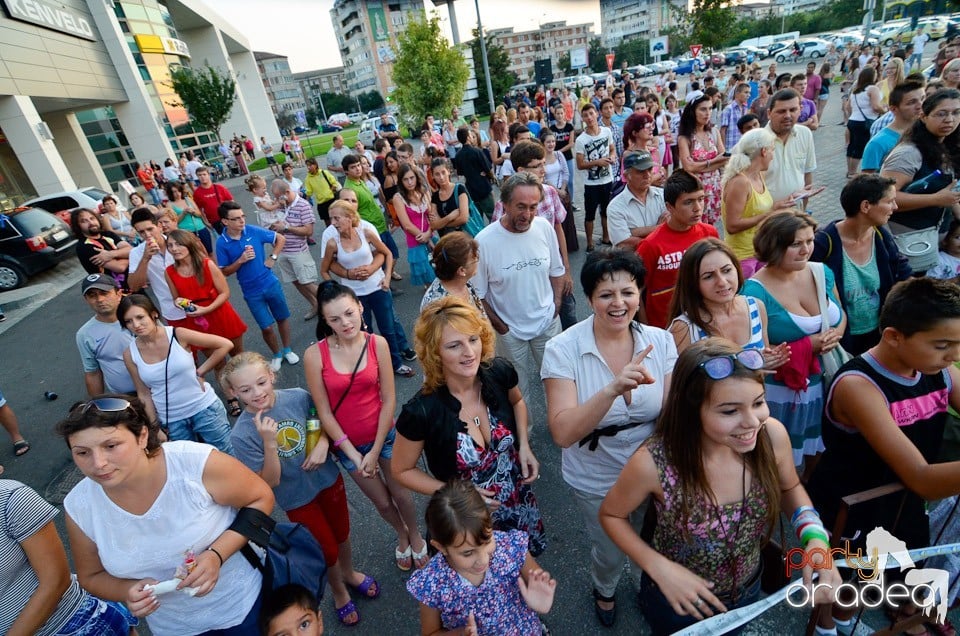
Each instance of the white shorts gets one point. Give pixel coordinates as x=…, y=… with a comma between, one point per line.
x=298, y=267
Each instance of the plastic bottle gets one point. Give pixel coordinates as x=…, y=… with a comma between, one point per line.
x=923, y=186
x=188, y=306
x=313, y=430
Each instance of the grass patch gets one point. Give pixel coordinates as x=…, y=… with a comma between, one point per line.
x=313, y=145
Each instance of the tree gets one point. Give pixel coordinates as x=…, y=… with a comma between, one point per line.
x=312, y=115
x=501, y=78
x=564, y=63
x=370, y=101
x=429, y=73
x=711, y=22
x=597, y=56
x=206, y=93
x=337, y=103
x=632, y=52
x=286, y=121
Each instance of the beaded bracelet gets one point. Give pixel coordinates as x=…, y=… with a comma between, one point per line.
x=337, y=443
x=801, y=510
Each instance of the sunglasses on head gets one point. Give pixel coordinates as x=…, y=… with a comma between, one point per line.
x=106, y=405
x=721, y=367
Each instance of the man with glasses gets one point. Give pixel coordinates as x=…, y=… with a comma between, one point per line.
x=148, y=266
x=240, y=251
x=102, y=340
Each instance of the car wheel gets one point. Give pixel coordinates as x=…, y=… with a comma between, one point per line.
x=780, y=59
x=816, y=54
x=11, y=276
x=889, y=42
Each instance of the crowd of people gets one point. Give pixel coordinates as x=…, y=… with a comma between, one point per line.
x=737, y=363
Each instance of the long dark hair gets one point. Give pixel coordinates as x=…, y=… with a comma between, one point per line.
x=936, y=152
x=327, y=292
x=196, y=254
x=680, y=429
x=688, y=119
x=687, y=298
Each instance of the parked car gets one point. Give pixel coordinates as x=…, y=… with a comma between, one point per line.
x=735, y=56
x=715, y=59
x=687, y=65
x=812, y=48
x=31, y=240
x=327, y=127
x=934, y=26
x=368, y=130
x=777, y=47
x=356, y=118
x=61, y=203
x=840, y=40
x=339, y=119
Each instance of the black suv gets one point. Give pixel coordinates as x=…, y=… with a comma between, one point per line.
x=31, y=240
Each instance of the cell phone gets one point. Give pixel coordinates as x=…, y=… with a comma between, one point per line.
x=726, y=154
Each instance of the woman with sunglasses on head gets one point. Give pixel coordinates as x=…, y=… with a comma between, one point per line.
x=148, y=512
x=605, y=379
x=788, y=289
x=469, y=420
x=720, y=472
x=169, y=384
x=706, y=304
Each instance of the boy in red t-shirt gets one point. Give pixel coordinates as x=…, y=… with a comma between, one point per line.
x=145, y=177
x=208, y=196
x=663, y=248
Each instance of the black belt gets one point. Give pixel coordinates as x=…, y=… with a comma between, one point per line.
x=607, y=431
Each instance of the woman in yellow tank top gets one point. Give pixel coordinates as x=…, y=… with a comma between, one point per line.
x=746, y=200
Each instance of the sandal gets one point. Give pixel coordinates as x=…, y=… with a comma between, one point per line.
x=365, y=586
x=344, y=612
x=233, y=407
x=395, y=276
x=605, y=616
x=947, y=629
x=420, y=559
x=21, y=448
x=404, y=559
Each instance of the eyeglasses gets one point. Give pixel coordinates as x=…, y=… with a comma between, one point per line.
x=107, y=405
x=721, y=367
x=944, y=114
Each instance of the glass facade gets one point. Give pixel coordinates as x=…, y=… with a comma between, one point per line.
x=15, y=185
x=145, y=18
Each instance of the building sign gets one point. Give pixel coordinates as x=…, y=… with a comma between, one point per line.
x=148, y=43
x=659, y=46
x=378, y=23
x=51, y=16
x=578, y=58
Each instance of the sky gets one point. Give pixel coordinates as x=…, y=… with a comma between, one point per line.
x=295, y=27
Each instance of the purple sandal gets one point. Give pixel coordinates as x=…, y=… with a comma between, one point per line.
x=364, y=588
x=345, y=611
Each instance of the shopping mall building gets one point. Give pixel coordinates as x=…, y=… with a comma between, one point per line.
x=84, y=90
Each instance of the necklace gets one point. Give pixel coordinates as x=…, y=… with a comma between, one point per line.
x=732, y=541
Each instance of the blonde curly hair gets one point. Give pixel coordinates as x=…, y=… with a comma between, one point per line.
x=428, y=332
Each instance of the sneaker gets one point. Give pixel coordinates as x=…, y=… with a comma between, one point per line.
x=275, y=363
x=291, y=357
x=855, y=628
x=404, y=371
x=409, y=355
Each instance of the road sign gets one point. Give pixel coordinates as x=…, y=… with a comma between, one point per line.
x=610, y=58
x=578, y=58
x=695, y=49
x=659, y=46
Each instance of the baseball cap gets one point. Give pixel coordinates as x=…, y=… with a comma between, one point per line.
x=98, y=281
x=638, y=160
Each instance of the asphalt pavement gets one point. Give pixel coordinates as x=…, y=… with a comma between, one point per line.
x=38, y=354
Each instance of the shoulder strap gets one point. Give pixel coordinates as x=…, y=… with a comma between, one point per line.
x=166, y=375
x=353, y=374
x=333, y=183
x=820, y=282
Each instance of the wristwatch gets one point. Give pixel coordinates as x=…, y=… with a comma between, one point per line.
x=273, y=257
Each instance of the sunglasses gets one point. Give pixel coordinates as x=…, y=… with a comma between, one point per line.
x=721, y=367
x=107, y=405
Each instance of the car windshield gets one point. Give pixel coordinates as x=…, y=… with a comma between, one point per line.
x=95, y=193
x=34, y=222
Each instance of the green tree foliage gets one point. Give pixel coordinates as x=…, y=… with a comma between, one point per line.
x=564, y=64
x=632, y=52
x=312, y=115
x=711, y=21
x=500, y=78
x=370, y=101
x=206, y=93
x=337, y=103
x=429, y=73
x=597, y=56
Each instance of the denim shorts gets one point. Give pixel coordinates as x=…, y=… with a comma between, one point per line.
x=96, y=617
x=209, y=425
x=385, y=453
x=268, y=306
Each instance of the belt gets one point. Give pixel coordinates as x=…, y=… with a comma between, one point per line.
x=593, y=439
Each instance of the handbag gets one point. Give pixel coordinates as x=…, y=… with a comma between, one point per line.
x=920, y=247
x=292, y=553
x=475, y=221
x=832, y=360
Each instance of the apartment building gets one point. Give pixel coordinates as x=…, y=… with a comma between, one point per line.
x=626, y=19
x=551, y=40
x=282, y=90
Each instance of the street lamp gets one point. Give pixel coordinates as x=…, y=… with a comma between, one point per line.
x=483, y=51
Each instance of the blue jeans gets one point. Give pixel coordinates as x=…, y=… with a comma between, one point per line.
x=663, y=620
x=209, y=425
x=380, y=304
x=570, y=178
x=387, y=239
x=155, y=196
x=96, y=617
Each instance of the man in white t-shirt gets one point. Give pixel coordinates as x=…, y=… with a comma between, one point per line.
x=520, y=276
x=918, y=42
x=596, y=156
x=148, y=266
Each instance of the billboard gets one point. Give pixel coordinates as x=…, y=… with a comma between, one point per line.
x=578, y=58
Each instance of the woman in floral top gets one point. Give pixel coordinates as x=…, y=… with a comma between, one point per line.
x=469, y=420
x=455, y=258
x=701, y=153
x=717, y=493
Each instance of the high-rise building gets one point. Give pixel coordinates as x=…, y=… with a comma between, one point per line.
x=790, y=7
x=84, y=90
x=366, y=33
x=325, y=80
x=286, y=98
x=625, y=19
x=550, y=41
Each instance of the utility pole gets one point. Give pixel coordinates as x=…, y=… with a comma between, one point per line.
x=483, y=51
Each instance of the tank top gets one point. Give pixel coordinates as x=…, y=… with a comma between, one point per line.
x=757, y=203
x=850, y=464
x=356, y=258
x=359, y=413
x=861, y=109
x=720, y=543
x=186, y=396
x=189, y=223
x=756, y=326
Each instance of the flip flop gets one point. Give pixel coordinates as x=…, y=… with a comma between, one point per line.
x=345, y=611
x=365, y=586
x=404, y=559
x=233, y=407
x=420, y=559
x=21, y=448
